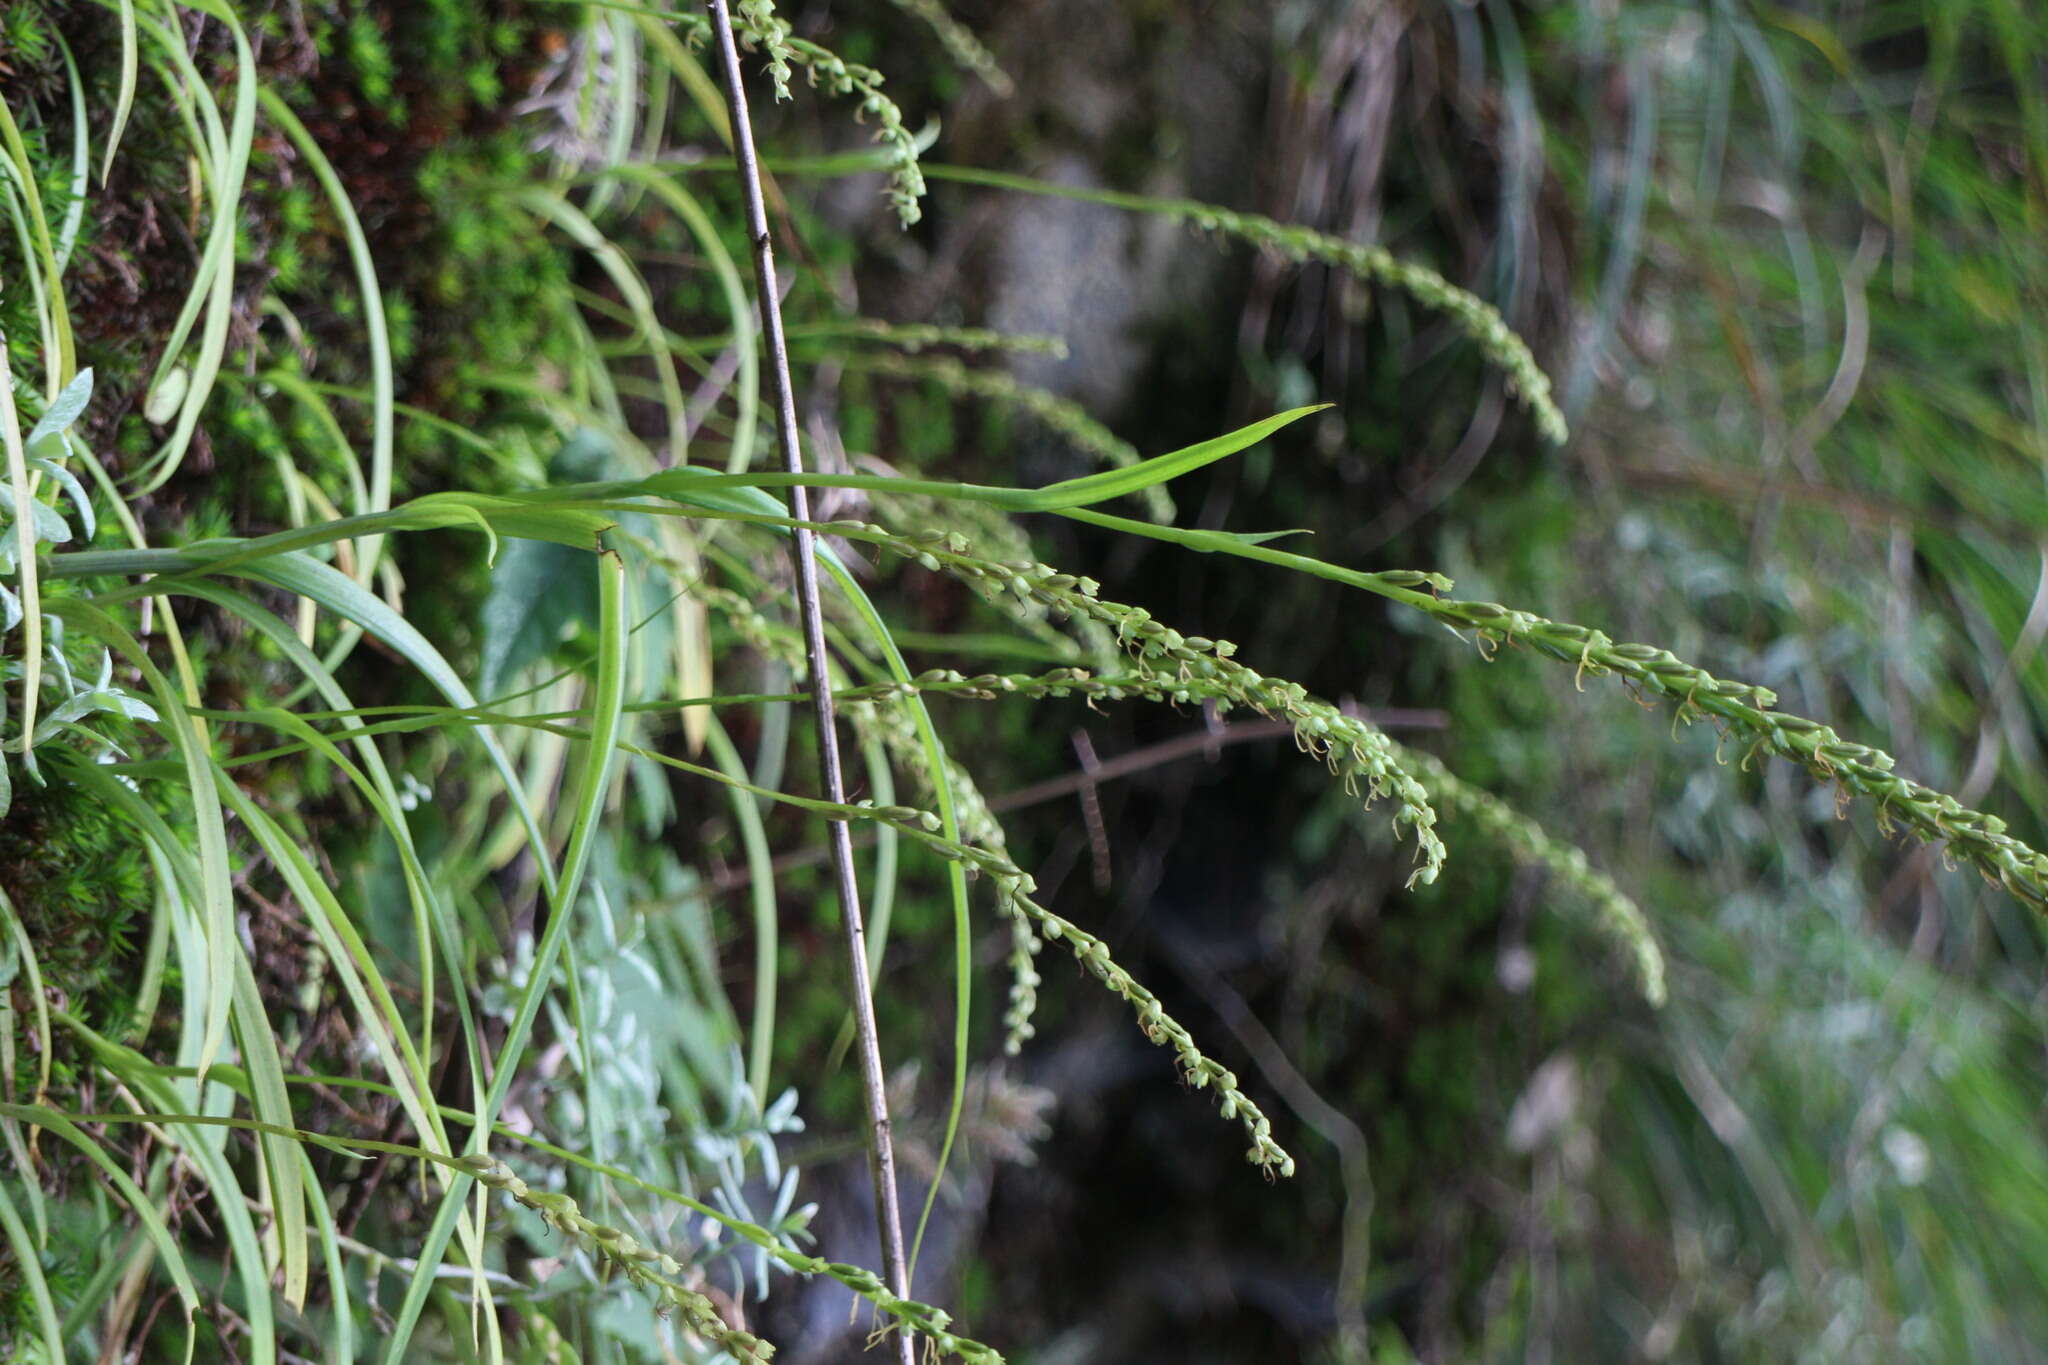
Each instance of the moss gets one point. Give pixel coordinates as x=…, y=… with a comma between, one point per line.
x=77, y=878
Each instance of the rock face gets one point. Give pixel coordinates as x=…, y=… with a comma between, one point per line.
x=1168, y=110
x=1092, y=275
x=1114, y=101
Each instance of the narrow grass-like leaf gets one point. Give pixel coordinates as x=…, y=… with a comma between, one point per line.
x=32, y=270
x=61, y=362
x=607, y=714
x=81, y=170
x=139, y=1203
x=272, y=1103
x=124, y=97
x=1070, y=493
x=228, y=148
x=347, y=599
x=557, y=210
x=341, y=1343
x=230, y=1202
x=19, y=953
x=26, y=587
x=1115, y=483
x=215, y=907
x=882, y=893
x=316, y=407
x=374, y=326
x=376, y=1012
x=956, y=882
x=744, y=335
x=28, y=1263
x=865, y=1284
x=761, y=891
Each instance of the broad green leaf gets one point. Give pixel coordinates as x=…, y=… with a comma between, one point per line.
x=543, y=587
x=538, y=592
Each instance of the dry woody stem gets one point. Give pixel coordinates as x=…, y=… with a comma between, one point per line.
x=882, y=1159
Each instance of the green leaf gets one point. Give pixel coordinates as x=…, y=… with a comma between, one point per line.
x=1116, y=483
x=50, y=526
x=146, y=1213
x=541, y=586
x=73, y=489
x=91, y=700
x=272, y=1103
x=29, y=1263
x=124, y=99
x=166, y=396
x=64, y=409
x=607, y=714
x=1256, y=537
x=703, y=488
x=538, y=592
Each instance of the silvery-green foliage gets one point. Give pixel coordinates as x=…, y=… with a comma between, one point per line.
x=77, y=701
x=621, y=1050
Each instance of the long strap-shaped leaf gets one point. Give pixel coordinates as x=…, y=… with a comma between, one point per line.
x=881, y=1154
x=1055, y=497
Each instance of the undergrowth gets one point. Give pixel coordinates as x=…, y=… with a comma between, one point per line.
x=399, y=587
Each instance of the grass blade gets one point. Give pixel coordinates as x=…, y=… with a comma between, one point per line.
x=746, y=813
x=374, y=327
x=25, y=561
x=28, y=1262
x=124, y=98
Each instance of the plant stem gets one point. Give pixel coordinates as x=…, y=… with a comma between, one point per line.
x=881, y=1155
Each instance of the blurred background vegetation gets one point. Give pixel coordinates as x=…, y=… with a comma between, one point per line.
x=1786, y=267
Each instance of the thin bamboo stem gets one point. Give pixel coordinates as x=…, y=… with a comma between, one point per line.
x=881, y=1153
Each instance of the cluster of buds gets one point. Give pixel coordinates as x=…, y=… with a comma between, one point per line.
x=1015, y=890
x=919, y=336
x=657, y=1272
x=1745, y=709
x=1477, y=318
x=1620, y=916
x=759, y=28
x=1179, y=668
x=648, y=1267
